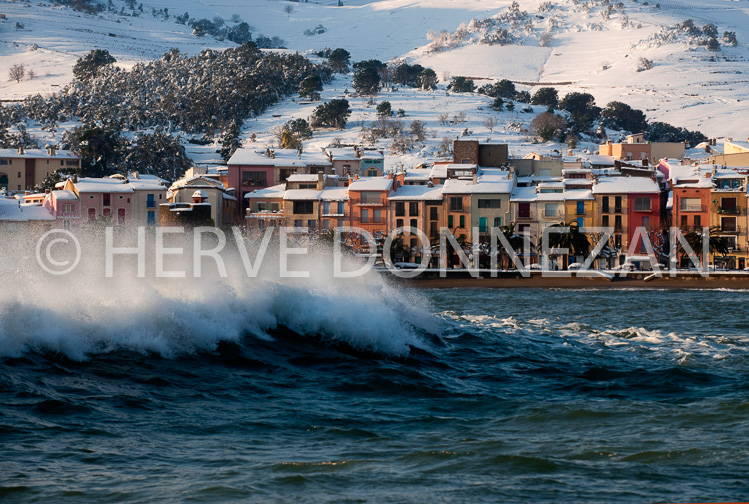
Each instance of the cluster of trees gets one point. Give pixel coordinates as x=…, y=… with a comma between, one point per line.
x=370, y=74
x=332, y=114
x=583, y=113
x=211, y=91
x=105, y=152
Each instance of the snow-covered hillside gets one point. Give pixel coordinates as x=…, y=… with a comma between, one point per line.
x=688, y=85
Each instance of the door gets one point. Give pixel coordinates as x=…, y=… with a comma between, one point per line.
x=29, y=181
x=524, y=210
x=120, y=215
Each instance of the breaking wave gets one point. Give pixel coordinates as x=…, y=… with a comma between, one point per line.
x=85, y=313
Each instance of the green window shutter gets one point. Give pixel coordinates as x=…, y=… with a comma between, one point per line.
x=450, y=221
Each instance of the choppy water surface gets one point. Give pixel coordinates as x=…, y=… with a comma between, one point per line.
x=379, y=396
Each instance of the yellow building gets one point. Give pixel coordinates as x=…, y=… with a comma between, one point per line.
x=728, y=212
x=23, y=169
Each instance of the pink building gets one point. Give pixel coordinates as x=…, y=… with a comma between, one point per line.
x=107, y=198
x=64, y=206
x=248, y=171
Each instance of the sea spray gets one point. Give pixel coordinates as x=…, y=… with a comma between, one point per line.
x=87, y=311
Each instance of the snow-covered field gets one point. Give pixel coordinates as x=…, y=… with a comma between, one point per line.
x=688, y=86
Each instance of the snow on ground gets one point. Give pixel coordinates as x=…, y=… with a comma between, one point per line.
x=688, y=86
x=419, y=105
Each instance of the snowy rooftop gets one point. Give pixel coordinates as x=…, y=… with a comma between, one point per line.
x=439, y=171
x=198, y=180
x=102, y=185
x=334, y=194
x=417, y=193
x=302, y=177
x=342, y=153
x=10, y=210
x=372, y=155
x=64, y=195
x=38, y=153
x=302, y=194
x=622, y=185
x=371, y=184
x=250, y=157
x=276, y=191
x=420, y=174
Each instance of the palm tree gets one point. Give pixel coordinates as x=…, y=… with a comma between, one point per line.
x=513, y=239
x=576, y=243
x=717, y=244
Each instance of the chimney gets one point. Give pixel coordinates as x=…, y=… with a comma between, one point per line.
x=430, y=183
x=475, y=175
x=51, y=150
x=272, y=154
x=267, y=152
x=20, y=151
x=320, y=181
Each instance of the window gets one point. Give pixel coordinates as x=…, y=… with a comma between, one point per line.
x=340, y=208
x=642, y=204
x=91, y=213
x=580, y=208
x=298, y=223
x=370, y=198
x=4, y=162
x=311, y=224
x=482, y=224
x=697, y=221
x=68, y=207
x=303, y=207
x=646, y=222
x=691, y=205
x=107, y=212
x=398, y=223
x=253, y=179
x=618, y=222
x=107, y=199
x=400, y=209
x=618, y=241
x=326, y=208
x=551, y=210
x=377, y=217
x=372, y=172
x=605, y=204
x=580, y=222
x=456, y=204
x=365, y=216
x=617, y=204
x=414, y=223
x=120, y=215
x=450, y=221
x=489, y=203
x=326, y=224
x=150, y=203
x=497, y=222
x=728, y=224
x=433, y=213
x=413, y=209
x=151, y=218
x=462, y=221
x=728, y=205
x=684, y=221
x=4, y=180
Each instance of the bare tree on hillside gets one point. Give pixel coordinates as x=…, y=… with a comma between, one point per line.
x=17, y=72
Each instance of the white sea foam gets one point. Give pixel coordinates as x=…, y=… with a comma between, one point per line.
x=84, y=313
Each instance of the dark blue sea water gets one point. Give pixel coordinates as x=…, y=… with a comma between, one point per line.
x=491, y=396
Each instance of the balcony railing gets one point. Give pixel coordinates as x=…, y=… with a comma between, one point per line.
x=553, y=213
x=525, y=216
x=729, y=210
x=733, y=229
x=366, y=202
x=693, y=208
